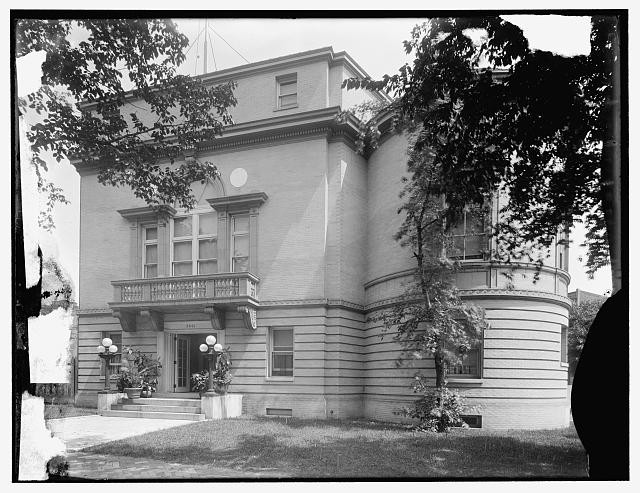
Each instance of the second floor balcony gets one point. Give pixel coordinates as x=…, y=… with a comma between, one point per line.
x=149, y=299
x=229, y=288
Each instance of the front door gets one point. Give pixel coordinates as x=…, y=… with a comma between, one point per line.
x=181, y=363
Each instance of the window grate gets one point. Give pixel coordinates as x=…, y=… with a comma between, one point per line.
x=274, y=411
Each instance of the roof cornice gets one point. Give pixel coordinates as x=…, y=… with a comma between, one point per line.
x=271, y=64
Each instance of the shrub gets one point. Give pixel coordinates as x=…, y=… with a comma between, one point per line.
x=438, y=410
x=57, y=467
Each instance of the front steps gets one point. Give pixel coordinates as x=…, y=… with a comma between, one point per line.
x=158, y=408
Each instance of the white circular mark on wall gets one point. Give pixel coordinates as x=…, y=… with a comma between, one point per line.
x=238, y=177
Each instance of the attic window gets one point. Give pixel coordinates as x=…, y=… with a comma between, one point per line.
x=287, y=86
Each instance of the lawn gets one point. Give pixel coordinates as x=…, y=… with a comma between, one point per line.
x=53, y=411
x=359, y=449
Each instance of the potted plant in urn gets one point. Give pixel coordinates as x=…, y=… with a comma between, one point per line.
x=222, y=375
x=130, y=381
x=200, y=382
x=147, y=368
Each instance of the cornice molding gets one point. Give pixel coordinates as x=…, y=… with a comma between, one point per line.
x=516, y=293
x=475, y=266
x=388, y=277
x=236, y=202
x=306, y=125
x=275, y=64
x=315, y=302
x=147, y=212
x=94, y=311
x=486, y=293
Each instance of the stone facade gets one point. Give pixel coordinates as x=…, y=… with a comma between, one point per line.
x=323, y=260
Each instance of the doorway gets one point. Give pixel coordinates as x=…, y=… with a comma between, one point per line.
x=184, y=358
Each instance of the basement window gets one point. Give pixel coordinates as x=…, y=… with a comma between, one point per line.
x=274, y=411
x=473, y=421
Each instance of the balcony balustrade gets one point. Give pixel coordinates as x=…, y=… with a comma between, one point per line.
x=212, y=288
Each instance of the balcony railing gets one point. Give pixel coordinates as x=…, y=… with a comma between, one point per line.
x=187, y=288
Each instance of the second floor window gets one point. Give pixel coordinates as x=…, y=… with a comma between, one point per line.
x=469, y=236
x=194, y=245
x=150, y=252
x=240, y=243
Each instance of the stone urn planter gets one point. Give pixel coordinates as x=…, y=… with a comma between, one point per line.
x=133, y=392
x=216, y=406
x=220, y=388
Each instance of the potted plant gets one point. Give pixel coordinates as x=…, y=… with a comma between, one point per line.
x=222, y=375
x=130, y=381
x=199, y=382
x=147, y=369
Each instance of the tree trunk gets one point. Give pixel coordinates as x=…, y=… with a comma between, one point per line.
x=440, y=369
x=611, y=163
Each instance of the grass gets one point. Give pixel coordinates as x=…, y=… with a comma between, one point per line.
x=53, y=411
x=359, y=449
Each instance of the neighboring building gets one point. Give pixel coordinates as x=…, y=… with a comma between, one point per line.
x=579, y=296
x=288, y=257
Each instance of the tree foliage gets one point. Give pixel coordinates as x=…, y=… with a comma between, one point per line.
x=494, y=114
x=581, y=316
x=111, y=97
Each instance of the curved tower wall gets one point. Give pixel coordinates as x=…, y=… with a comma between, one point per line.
x=523, y=383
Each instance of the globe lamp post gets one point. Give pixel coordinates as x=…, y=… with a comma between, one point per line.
x=212, y=350
x=107, y=350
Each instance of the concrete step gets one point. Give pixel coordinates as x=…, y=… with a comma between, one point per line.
x=154, y=415
x=153, y=401
x=159, y=409
x=176, y=395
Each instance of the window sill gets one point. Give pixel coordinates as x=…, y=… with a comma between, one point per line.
x=278, y=379
x=292, y=107
x=470, y=381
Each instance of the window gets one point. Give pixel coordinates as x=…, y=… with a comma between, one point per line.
x=281, y=352
x=287, y=91
x=116, y=361
x=150, y=252
x=561, y=259
x=469, y=236
x=563, y=344
x=240, y=243
x=194, y=244
x=468, y=366
x=472, y=420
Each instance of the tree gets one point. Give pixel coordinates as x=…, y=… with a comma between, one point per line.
x=133, y=128
x=581, y=316
x=430, y=318
x=111, y=97
x=494, y=114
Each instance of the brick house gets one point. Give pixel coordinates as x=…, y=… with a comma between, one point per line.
x=286, y=258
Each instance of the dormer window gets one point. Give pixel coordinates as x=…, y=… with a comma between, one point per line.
x=287, y=87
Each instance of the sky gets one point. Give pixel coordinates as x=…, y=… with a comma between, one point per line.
x=376, y=44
